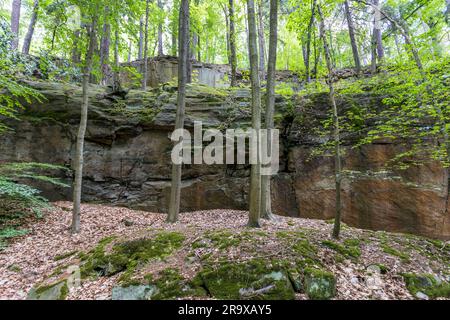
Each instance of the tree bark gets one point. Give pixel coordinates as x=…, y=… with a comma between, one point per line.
x=141, y=39
x=183, y=40
x=78, y=161
x=145, y=73
x=351, y=32
x=30, y=32
x=266, y=201
x=261, y=39
x=116, y=75
x=160, y=32
x=255, y=176
x=233, y=57
x=15, y=23
x=104, y=47
x=308, y=42
x=377, y=30
x=336, y=132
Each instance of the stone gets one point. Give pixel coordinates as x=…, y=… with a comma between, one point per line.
x=319, y=284
x=422, y=296
x=55, y=291
x=140, y=292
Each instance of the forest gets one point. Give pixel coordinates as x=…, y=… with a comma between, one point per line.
x=224, y=150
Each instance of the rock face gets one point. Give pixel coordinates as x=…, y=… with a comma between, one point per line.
x=127, y=158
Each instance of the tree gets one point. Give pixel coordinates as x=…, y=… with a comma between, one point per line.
x=183, y=40
x=266, y=201
x=160, y=31
x=232, y=41
x=15, y=23
x=261, y=40
x=78, y=161
x=104, y=46
x=145, y=76
x=336, y=132
x=351, y=32
x=255, y=175
x=141, y=39
x=31, y=26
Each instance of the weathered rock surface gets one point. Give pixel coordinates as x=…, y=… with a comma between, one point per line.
x=127, y=158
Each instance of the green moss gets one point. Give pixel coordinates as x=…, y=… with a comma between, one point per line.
x=127, y=256
x=224, y=239
x=319, y=284
x=427, y=284
x=349, y=249
x=394, y=252
x=244, y=280
x=55, y=291
x=171, y=284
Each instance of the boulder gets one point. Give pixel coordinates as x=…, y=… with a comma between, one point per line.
x=140, y=292
x=55, y=291
x=319, y=284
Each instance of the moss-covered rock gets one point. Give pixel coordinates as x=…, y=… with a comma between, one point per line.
x=254, y=279
x=349, y=249
x=126, y=256
x=54, y=291
x=319, y=284
x=138, y=292
x=427, y=284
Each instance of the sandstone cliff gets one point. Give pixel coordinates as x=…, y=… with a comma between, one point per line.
x=127, y=158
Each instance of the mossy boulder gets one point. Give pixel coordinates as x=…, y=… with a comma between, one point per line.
x=171, y=284
x=254, y=279
x=319, y=284
x=126, y=256
x=139, y=292
x=427, y=284
x=54, y=291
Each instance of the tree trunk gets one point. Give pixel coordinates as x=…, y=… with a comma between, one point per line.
x=30, y=32
x=116, y=75
x=255, y=176
x=262, y=42
x=15, y=23
x=160, y=32
x=336, y=134
x=145, y=73
x=183, y=40
x=141, y=39
x=351, y=32
x=78, y=161
x=266, y=201
x=130, y=47
x=104, y=48
x=308, y=42
x=377, y=30
x=76, y=55
x=233, y=57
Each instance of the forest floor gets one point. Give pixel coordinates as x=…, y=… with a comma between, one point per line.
x=217, y=235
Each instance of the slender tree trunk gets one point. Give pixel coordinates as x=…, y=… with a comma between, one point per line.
x=227, y=26
x=141, y=39
x=351, y=32
x=75, y=48
x=15, y=23
x=261, y=39
x=308, y=42
x=373, y=48
x=30, y=32
x=336, y=133
x=255, y=176
x=104, y=47
x=174, y=26
x=377, y=30
x=183, y=40
x=116, y=75
x=145, y=73
x=130, y=47
x=78, y=161
x=160, y=32
x=266, y=201
x=233, y=57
